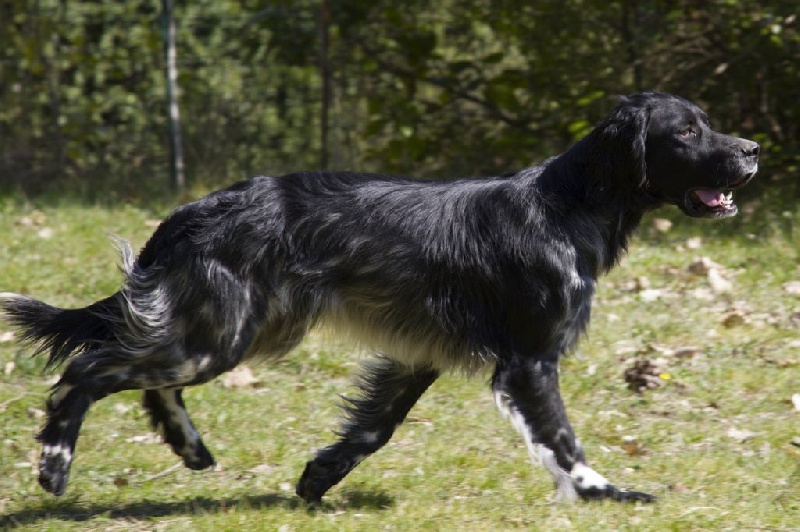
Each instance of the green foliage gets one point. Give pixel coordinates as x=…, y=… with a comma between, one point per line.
x=427, y=88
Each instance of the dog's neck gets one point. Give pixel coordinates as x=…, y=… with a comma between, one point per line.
x=602, y=200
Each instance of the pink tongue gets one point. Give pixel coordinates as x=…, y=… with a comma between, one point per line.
x=712, y=198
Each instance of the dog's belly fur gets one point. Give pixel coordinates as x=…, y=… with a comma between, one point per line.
x=414, y=347
x=416, y=330
x=416, y=343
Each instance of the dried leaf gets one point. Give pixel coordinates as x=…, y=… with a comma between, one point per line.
x=741, y=435
x=149, y=438
x=702, y=265
x=694, y=243
x=644, y=374
x=120, y=482
x=733, y=319
x=35, y=413
x=792, y=288
x=240, y=377
x=662, y=225
x=686, y=352
x=34, y=218
x=717, y=282
x=262, y=469
x=650, y=295
x=634, y=448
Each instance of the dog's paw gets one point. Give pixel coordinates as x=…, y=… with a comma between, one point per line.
x=313, y=483
x=591, y=485
x=198, y=458
x=54, y=469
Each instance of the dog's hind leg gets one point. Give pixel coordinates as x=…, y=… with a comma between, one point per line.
x=169, y=418
x=66, y=409
x=527, y=392
x=91, y=376
x=389, y=390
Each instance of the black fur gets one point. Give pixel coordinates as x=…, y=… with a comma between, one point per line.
x=436, y=276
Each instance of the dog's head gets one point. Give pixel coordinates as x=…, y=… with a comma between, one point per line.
x=677, y=158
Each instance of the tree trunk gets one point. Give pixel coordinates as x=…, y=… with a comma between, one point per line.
x=176, y=144
x=325, y=73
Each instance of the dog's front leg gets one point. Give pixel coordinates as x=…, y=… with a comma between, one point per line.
x=389, y=390
x=526, y=391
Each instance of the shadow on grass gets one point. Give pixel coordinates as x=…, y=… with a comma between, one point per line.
x=71, y=510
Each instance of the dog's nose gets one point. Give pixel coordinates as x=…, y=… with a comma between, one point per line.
x=750, y=149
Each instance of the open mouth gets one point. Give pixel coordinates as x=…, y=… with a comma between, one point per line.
x=710, y=203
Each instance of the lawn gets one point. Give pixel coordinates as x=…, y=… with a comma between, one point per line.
x=713, y=307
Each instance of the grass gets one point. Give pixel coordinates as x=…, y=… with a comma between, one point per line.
x=713, y=441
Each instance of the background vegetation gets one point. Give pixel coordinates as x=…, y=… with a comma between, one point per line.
x=434, y=88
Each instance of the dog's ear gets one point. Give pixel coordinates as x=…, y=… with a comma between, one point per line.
x=621, y=140
x=641, y=121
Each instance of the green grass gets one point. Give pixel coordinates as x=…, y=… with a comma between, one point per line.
x=456, y=465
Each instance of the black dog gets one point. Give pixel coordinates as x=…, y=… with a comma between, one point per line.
x=434, y=276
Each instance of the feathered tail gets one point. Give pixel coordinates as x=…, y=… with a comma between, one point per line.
x=62, y=332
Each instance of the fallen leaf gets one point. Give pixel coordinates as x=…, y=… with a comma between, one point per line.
x=694, y=243
x=634, y=448
x=644, y=374
x=718, y=282
x=702, y=265
x=662, y=224
x=150, y=437
x=240, y=377
x=741, y=435
x=733, y=319
x=641, y=283
x=686, y=352
x=35, y=413
x=796, y=401
x=792, y=288
x=45, y=232
x=34, y=218
x=651, y=294
x=120, y=482
x=262, y=469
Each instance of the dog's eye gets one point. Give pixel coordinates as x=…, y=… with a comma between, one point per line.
x=687, y=132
